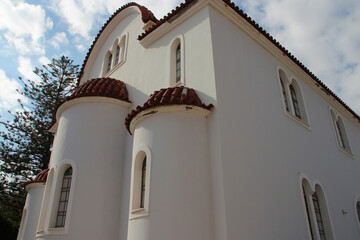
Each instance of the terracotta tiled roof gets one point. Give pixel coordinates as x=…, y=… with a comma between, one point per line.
x=240, y=12
x=41, y=177
x=98, y=87
x=146, y=14
x=168, y=96
x=102, y=87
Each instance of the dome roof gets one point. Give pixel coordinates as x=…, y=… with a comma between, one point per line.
x=169, y=96
x=102, y=87
x=41, y=177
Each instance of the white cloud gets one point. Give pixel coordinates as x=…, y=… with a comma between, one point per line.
x=43, y=60
x=49, y=23
x=322, y=34
x=82, y=15
x=26, y=68
x=24, y=25
x=59, y=38
x=80, y=47
x=8, y=93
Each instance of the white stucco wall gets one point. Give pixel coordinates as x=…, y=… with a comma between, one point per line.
x=180, y=205
x=265, y=153
x=90, y=137
x=235, y=174
x=31, y=212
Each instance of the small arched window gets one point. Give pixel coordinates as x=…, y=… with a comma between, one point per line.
x=108, y=68
x=284, y=95
x=143, y=183
x=64, y=198
x=292, y=97
x=295, y=102
x=178, y=64
x=117, y=54
x=340, y=132
x=317, y=215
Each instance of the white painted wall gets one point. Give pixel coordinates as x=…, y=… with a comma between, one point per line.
x=30, y=217
x=180, y=205
x=264, y=152
x=91, y=137
x=254, y=154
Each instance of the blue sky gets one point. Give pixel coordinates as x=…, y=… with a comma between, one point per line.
x=323, y=34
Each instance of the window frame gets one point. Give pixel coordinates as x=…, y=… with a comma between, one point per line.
x=140, y=180
x=177, y=66
x=292, y=98
x=316, y=210
x=64, y=198
x=118, y=52
x=340, y=132
x=51, y=199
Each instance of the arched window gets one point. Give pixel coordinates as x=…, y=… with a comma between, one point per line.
x=284, y=95
x=117, y=54
x=108, y=68
x=140, y=184
x=317, y=215
x=292, y=97
x=143, y=183
x=295, y=102
x=64, y=198
x=177, y=73
x=178, y=64
x=122, y=46
x=340, y=132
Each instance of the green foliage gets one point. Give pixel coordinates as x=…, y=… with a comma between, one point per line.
x=25, y=145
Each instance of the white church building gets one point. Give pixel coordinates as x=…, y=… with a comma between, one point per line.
x=198, y=126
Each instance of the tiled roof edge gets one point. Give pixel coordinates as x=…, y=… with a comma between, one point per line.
x=168, y=96
x=98, y=87
x=187, y=3
x=40, y=177
x=147, y=15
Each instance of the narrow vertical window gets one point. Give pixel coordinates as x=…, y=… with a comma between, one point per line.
x=341, y=136
x=295, y=102
x=64, y=198
x=117, y=54
x=178, y=64
x=284, y=95
x=318, y=216
x=143, y=183
x=308, y=213
x=358, y=210
x=109, y=63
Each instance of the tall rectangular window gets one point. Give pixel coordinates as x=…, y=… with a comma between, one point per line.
x=64, y=198
x=295, y=102
x=117, y=54
x=319, y=219
x=109, y=63
x=284, y=95
x=178, y=64
x=143, y=183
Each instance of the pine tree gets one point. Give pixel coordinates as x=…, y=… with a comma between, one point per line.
x=26, y=143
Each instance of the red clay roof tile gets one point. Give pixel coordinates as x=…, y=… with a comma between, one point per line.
x=99, y=87
x=168, y=96
x=102, y=87
x=41, y=177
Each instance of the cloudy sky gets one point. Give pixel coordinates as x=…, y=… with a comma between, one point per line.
x=323, y=34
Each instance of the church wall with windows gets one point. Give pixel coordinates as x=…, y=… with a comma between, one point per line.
x=183, y=170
